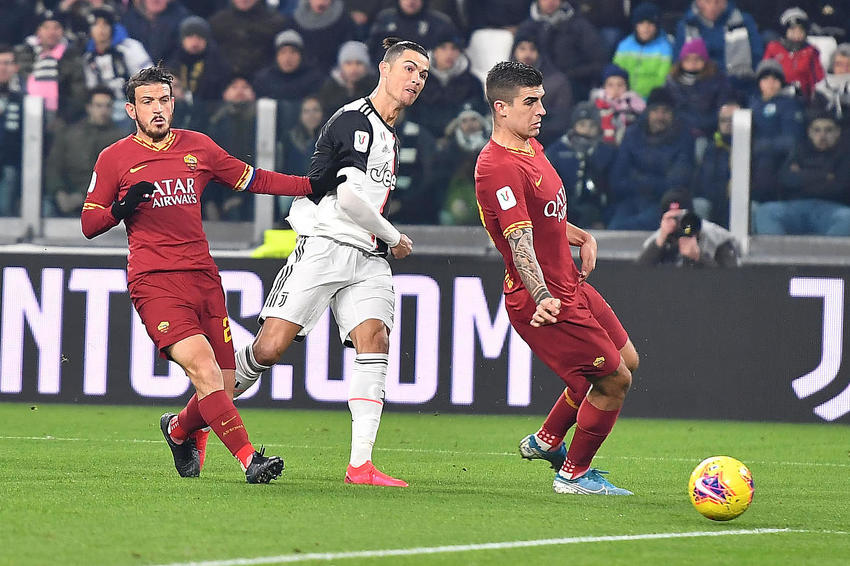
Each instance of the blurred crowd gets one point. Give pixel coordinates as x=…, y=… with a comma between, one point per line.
x=639, y=96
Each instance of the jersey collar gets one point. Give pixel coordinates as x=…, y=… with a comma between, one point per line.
x=166, y=142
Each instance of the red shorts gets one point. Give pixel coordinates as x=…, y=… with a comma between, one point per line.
x=174, y=305
x=585, y=342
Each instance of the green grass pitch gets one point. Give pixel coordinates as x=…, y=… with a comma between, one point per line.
x=96, y=485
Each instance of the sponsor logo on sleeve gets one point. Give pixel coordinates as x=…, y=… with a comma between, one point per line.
x=361, y=141
x=506, y=198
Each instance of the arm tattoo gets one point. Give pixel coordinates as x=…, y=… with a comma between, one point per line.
x=522, y=247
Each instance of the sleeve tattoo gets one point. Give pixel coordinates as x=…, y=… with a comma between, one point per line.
x=522, y=248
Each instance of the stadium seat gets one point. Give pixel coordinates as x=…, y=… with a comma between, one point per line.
x=826, y=45
x=486, y=48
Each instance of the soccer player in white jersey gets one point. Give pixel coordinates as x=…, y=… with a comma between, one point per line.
x=339, y=259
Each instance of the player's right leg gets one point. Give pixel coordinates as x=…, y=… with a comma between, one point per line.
x=548, y=442
x=274, y=337
x=195, y=355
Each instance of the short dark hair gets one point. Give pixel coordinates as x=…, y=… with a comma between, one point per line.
x=147, y=76
x=395, y=46
x=506, y=77
x=99, y=89
x=7, y=48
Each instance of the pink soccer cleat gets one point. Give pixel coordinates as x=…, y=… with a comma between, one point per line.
x=368, y=474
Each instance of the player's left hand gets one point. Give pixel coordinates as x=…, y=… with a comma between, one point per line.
x=588, y=258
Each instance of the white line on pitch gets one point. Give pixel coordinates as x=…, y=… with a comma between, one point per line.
x=432, y=451
x=327, y=556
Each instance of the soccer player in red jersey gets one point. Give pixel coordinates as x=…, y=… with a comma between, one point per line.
x=153, y=180
x=564, y=320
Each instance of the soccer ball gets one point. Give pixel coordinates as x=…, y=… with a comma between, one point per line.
x=721, y=488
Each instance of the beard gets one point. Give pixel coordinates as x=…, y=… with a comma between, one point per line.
x=154, y=132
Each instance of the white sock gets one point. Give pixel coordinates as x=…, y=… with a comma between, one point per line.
x=539, y=436
x=366, y=401
x=248, y=370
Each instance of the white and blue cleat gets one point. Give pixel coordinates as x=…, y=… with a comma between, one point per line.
x=531, y=450
x=591, y=483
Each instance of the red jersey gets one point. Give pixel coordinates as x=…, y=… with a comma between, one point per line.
x=520, y=189
x=166, y=234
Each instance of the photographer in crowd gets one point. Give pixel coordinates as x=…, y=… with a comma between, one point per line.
x=684, y=239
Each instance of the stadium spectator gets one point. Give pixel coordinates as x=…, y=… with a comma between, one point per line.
x=412, y=20
x=350, y=79
x=583, y=162
x=699, y=88
x=362, y=13
x=324, y=26
x=295, y=147
x=815, y=183
x=569, y=40
x=777, y=127
x=507, y=14
x=245, y=33
x=684, y=239
x=156, y=23
x=833, y=92
x=418, y=195
x=50, y=68
x=800, y=61
x=198, y=63
x=609, y=17
x=233, y=126
x=73, y=154
x=172, y=279
x=111, y=58
x=731, y=37
x=205, y=8
x=711, y=183
x=559, y=92
x=618, y=106
x=75, y=15
x=11, y=117
x=465, y=136
x=451, y=88
x=828, y=17
x=289, y=78
x=550, y=304
x=646, y=53
x=657, y=154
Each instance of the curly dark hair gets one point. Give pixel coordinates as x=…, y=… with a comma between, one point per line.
x=147, y=76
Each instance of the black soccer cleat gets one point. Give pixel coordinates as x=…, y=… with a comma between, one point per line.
x=187, y=459
x=262, y=469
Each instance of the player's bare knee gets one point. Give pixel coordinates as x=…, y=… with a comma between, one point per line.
x=268, y=350
x=205, y=375
x=632, y=361
x=615, y=385
x=371, y=338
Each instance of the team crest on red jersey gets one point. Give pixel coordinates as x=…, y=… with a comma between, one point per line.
x=191, y=161
x=163, y=326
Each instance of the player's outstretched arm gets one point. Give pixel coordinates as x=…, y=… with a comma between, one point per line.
x=521, y=241
x=587, y=249
x=367, y=216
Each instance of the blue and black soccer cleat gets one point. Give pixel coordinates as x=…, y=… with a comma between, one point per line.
x=591, y=483
x=531, y=450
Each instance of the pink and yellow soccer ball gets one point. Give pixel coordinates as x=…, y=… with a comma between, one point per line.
x=721, y=488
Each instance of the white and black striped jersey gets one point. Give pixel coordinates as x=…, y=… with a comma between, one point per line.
x=358, y=136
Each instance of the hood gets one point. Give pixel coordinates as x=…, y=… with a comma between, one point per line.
x=693, y=14
x=562, y=14
x=309, y=20
x=460, y=67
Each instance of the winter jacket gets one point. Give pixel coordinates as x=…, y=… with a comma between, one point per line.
x=777, y=128
x=496, y=13
x=833, y=95
x=727, y=39
x=425, y=28
x=323, y=33
x=810, y=173
x=647, y=64
x=802, y=67
x=160, y=36
x=697, y=104
x=333, y=94
x=271, y=82
x=122, y=59
x=711, y=181
x=205, y=75
x=446, y=93
x=11, y=127
x=617, y=114
x=246, y=39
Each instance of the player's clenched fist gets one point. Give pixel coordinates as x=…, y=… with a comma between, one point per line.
x=547, y=312
x=136, y=195
x=403, y=248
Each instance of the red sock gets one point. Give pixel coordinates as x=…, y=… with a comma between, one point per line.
x=562, y=416
x=592, y=428
x=188, y=421
x=219, y=412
